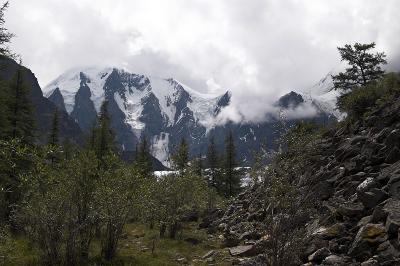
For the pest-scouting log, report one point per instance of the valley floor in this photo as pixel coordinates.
(142, 246)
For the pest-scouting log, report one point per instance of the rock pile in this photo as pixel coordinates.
(356, 177)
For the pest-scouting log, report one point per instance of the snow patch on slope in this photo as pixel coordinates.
(323, 95)
(160, 148)
(132, 108)
(69, 84)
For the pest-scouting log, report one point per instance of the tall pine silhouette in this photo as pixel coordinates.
(20, 110)
(232, 180)
(143, 158)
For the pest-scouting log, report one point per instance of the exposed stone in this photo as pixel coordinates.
(370, 262)
(351, 210)
(393, 156)
(387, 251)
(368, 235)
(319, 255)
(392, 208)
(209, 254)
(334, 260)
(372, 197)
(246, 250)
(366, 185)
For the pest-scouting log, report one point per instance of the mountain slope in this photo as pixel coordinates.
(164, 110)
(43, 107)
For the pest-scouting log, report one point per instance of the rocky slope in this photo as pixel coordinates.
(355, 176)
(165, 110)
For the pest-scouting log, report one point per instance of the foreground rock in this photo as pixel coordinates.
(355, 176)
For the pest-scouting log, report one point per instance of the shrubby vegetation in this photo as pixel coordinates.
(362, 99)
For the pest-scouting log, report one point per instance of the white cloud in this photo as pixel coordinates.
(258, 49)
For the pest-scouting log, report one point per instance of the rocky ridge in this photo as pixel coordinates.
(356, 179)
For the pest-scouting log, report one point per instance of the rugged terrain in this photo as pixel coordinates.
(354, 172)
(165, 110)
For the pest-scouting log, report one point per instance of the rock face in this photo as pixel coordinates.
(356, 179)
(165, 110)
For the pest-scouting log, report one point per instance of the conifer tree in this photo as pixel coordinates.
(212, 159)
(105, 136)
(197, 166)
(5, 36)
(364, 66)
(232, 180)
(20, 109)
(4, 123)
(55, 128)
(181, 157)
(143, 158)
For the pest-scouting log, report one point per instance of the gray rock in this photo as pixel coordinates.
(210, 254)
(372, 197)
(393, 156)
(370, 262)
(246, 250)
(392, 208)
(368, 236)
(387, 251)
(334, 260)
(319, 255)
(351, 210)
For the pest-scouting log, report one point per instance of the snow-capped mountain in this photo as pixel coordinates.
(165, 110)
(323, 95)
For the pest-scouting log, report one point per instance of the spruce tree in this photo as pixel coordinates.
(4, 123)
(232, 180)
(197, 166)
(364, 66)
(105, 136)
(143, 158)
(181, 157)
(212, 159)
(20, 115)
(5, 36)
(55, 128)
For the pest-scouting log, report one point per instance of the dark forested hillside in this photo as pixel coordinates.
(43, 108)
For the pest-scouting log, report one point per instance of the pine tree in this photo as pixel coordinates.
(181, 157)
(197, 166)
(55, 128)
(232, 180)
(364, 66)
(5, 36)
(4, 123)
(105, 137)
(143, 158)
(212, 159)
(20, 109)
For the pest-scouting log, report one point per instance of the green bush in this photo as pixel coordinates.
(363, 99)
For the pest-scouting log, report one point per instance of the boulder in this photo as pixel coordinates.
(366, 185)
(241, 251)
(367, 237)
(372, 197)
(352, 210)
(210, 254)
(393, 156)
(392, 208)
(334, 260)
(393, 138)
(370, 262)
(319, 255)
(387, 251)
(394, 189)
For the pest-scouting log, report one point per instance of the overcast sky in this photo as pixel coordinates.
(258, 49)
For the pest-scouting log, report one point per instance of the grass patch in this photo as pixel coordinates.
(135, 248)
